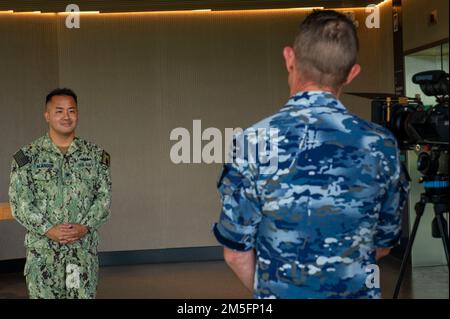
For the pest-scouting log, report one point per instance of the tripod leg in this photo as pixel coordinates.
(420, 206)
(443, 232)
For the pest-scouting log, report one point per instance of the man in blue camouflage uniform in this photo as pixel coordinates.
(332, 206)
(60, 191)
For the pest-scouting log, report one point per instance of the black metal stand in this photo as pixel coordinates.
(440, 203)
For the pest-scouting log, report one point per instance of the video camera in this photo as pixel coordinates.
(422, 128)
(409, 120)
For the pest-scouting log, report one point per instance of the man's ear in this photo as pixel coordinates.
(354, 71)
(289, 58)
(46, 116)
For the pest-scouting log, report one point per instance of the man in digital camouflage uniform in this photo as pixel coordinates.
(332, 206)
(60, 191)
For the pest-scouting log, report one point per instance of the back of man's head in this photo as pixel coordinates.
(326, 48)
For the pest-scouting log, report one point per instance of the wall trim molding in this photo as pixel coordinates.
(175, 5)
(138, 257)
(426, 46)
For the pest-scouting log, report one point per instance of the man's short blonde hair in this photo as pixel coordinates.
(326, 47)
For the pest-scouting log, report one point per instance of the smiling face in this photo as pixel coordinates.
(62, 114)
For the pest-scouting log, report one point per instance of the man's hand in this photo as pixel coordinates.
(382, 252)
(79, 231)
(60, 232)
(67, 233)
(243, 265)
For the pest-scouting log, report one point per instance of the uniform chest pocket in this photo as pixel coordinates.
(44, 174)
(84, 172)
(45, 181)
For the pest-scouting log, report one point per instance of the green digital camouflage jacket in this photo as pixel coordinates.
(48, 188)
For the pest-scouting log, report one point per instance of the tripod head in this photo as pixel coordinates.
(432, 162)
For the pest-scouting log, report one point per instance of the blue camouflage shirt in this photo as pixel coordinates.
(315, 221)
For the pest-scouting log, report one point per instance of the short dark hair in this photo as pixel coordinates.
(61, 92)
(326, 47)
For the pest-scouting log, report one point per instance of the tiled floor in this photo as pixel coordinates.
(214, 280)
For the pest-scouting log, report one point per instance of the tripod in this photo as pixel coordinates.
(440, 205)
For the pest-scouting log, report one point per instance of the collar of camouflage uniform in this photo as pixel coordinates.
(307, 99)
(48, 145)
